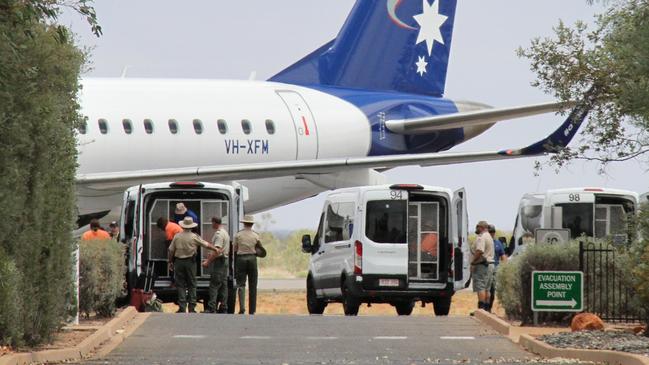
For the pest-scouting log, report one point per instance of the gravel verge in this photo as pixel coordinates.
(600, 340)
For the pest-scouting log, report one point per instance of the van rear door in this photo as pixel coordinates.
(385, 249)
(460, 229)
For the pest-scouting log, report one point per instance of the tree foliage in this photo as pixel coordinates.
(39, 82)
(610, 63)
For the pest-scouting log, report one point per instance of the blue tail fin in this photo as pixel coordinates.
(393, 45)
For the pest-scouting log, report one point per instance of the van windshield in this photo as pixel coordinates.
(387, 221)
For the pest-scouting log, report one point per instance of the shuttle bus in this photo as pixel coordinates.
(393, 244)
(593, 212)
(146, 244)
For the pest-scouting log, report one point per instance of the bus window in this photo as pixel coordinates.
(579, 218)
(610, 220)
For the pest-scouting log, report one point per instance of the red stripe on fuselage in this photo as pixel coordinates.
(306, 127)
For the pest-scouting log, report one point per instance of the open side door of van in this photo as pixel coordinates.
(460, 225)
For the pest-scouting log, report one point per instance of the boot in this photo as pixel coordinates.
(241, 293)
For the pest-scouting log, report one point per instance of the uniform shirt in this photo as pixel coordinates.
(499, 250)
(99, 234)
(184, 244)
(171, 230)
(485, 243)
(245, 241)
(221, 239)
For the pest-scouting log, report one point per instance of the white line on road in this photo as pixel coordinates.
(391, 337)
(189, 336)
(457, 338)
(255, 337)
(321, 338)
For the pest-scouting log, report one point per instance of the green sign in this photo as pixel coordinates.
(557, 291)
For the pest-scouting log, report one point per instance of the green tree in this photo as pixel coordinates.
(610, 64)
(39, 81)
(638, 260)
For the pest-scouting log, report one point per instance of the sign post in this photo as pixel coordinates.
(557, 291)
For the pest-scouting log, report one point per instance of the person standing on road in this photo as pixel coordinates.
(245, 242)
(219, 272)
(482, 264)
(499, 256)
(182, 260)
(95, 232)
(181, 212)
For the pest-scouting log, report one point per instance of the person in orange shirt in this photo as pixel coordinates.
(95, 232)
(170, 228)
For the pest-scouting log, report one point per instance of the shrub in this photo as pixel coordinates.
(10, 327)
(285, 255)
(101, 276)
(638, 259)
(514, 278)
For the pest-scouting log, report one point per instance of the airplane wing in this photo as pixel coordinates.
(551, 144)
(468, 119)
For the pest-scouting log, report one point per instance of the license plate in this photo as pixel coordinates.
(388, 282)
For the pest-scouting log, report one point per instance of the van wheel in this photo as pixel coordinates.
(313, 304)
(442, 306)
(404, 308)
(350, 302)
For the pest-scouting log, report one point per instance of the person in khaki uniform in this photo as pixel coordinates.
(219, 271)
(182, 260)
(482, 264)
(246, 264)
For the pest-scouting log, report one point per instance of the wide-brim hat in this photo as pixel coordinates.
(188, 223)
(248, 219)
(180, 208)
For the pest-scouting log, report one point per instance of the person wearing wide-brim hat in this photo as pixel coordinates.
(182, 211)
(247, 247)
(182, 260)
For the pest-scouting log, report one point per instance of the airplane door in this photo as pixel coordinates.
(306, 132)
(462, 252)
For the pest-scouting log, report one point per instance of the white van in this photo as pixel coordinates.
(146, 243)
(393, 244)
(593, 212)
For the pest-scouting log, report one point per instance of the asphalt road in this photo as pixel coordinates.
(239, 339)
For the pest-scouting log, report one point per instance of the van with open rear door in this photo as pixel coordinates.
(395, 244)
(146, 244)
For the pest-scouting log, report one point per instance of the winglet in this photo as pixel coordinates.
(560, 138)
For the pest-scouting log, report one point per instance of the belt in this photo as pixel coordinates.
(184, 258)
(246, 254)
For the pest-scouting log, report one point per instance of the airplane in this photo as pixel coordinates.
(367, 101)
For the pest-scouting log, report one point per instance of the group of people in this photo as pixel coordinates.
(487, 253)
(182, 252)
(97, 232)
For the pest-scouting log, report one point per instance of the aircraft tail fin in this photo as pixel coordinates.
(389, 45)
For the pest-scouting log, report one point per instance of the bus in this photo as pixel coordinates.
(601, 213)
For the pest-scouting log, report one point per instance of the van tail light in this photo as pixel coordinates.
(358, 257)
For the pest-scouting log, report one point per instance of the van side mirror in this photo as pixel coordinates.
(307, 247)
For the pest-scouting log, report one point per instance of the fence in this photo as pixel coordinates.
(606, 292)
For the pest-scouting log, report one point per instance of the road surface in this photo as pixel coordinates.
(240, 339)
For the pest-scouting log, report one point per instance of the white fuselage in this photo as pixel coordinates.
(286, 122)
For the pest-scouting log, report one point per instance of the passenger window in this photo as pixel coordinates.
(173, 126)
(340, 222)
(198, 126)
(270, 126)
(245, 125)
(83, 127)
(223, 127)
(128, 126)
(103, 126)
(148, 126)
